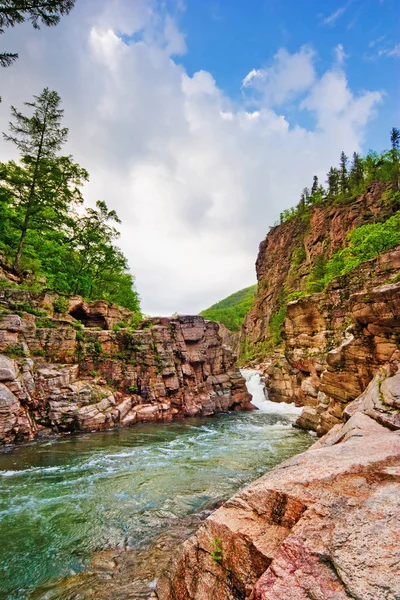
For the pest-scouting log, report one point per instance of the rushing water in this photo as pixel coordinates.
(64, 499)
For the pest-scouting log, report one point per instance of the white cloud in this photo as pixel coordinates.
(340, 54)
(333, 17)
(289, 75)
(395, 51)
(196, 178)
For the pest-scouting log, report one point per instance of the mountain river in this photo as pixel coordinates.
(97, 515)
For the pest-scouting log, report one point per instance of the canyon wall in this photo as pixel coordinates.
(287, 254)
(334, 341)
(85, 369)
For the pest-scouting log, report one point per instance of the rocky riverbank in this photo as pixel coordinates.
(87, 370)
(324, 524)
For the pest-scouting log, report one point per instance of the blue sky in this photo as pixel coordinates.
(200, 121)
(228, 38)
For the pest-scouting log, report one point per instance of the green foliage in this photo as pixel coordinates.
(275, 326)
(38, 352)
(296, 295)
(60, 305)
(28, 308)
(298, 256)
(315, 281)
(45, 324)
(216, 553)
(37, 12)
(232, 311)
(347, 182)
(41, 230)
(15, 350)
(366, 242)
(118, 326)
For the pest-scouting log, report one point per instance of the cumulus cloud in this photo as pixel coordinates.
(196, 177)
(289, 75)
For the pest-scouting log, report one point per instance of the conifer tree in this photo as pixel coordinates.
(314, 188)
(37, 12)
(44, 186)
(395, 141)
(333, 182)
(356, 176)
(343, 173)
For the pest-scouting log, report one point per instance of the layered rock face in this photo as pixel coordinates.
(57, 375)
(337, 340)
(323, 525)
(286, 255)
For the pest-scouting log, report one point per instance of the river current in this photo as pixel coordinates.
(65, 499)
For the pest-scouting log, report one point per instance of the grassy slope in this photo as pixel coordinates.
(232, 310)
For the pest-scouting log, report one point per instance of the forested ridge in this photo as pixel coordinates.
(48, 237)
(232, 310)
(350, 179)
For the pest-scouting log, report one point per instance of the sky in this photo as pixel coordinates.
(199, 121)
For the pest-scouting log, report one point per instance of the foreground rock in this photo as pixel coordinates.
(322, 525)
(61, 374)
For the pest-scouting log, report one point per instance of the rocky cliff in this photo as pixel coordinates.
(323, 525)
(288, 253)
(85, 369)
(334, 341)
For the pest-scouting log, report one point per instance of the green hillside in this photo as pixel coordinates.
(232, 310)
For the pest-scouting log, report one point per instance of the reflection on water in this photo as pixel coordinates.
(64, 499)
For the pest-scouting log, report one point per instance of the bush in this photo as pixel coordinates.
(366, 242)
(60, 305)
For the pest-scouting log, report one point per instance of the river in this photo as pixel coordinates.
(62, 501)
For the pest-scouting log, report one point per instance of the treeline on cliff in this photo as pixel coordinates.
(350, 179)
(48, 238)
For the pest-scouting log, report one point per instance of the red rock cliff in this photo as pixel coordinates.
(58, 376)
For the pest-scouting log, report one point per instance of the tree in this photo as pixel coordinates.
(44, 185)
(314, 187)
(356, 176)
(333, 182)
(395, 156)
(395, 138)
(14, 12)
(343, 179)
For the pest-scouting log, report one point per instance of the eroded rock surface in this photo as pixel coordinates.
(59, 376)
(323, 525)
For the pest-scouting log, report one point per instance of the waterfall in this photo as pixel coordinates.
(257, 390)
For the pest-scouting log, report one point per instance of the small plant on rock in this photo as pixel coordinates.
(216, 553)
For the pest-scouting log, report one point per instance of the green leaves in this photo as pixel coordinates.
(232, 310)
(366, 242)
(41, 229)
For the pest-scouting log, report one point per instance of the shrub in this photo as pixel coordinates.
(60, 305)
(216, 553)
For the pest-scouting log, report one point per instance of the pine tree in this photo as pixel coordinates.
(356, 176)
(395, 141)
(44, 185)
(344, 184)
(333, 182)
(395, 138)
(314, 185)
(14, 12)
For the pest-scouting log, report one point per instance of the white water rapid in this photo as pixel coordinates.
(256, 389)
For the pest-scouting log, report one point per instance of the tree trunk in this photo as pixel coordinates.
(21, 244)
